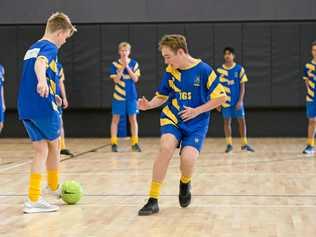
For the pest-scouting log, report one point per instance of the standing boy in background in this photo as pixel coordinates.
(233, 78)
(125, 74)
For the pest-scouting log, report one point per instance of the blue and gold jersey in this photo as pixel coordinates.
(1, 84)
(310, 78)
(30, 103)
(125, 89)
(190, 87)
(231, 78)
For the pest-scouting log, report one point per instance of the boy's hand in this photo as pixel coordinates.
(143, 103)
(65, 103)
(239, 105)
(219, 108)
(42, 88)
(188, 113)
(58, 100)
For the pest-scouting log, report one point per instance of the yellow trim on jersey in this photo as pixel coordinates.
(173, 86)
(169, 114)
(193, 65)
(161, 96)
(229, 68)
(43, 57)
(211, 79)
(308, 99)
(223, 79)
(165, 121)
(175, 73)
(225, 105)
(310, 66)
(53, 66)
(222, 71)
(52, 86)
(310, 92)
(112, 76)
(305, 78)
(244, 79)
(120, 90)
(121, 83)
(137, 73)
(175, 104)
(311, 84)
(219, 91)
(117, 97)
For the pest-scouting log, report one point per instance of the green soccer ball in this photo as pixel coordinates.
(71, 192)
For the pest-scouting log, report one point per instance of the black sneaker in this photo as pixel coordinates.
(114, 148)
(66, 152)
(309, 150)
(136, 148)
(150, 208)
(185, 194)
(247, 148)
(229, 148)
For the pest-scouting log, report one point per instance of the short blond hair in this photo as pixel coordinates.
(59, 21)
(174, 42)
(124, 45)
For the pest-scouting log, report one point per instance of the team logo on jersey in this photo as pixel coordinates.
(197, 81)
(196, 140)
(230, 82)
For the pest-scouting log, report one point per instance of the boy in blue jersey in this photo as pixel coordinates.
(190, 88)
(2, 102)
(63, 95)
(310, 80)
(125, 74)
(38, 108)
(233, 78)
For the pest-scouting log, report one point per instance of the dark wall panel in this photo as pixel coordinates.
(285, 64)
(227, 35)
(111, 36)
(143, 39)
(85, 82)
(8, 58)
(257, 62)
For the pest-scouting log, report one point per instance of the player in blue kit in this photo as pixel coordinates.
(125, 74)
(310, 81)
(38, 108)
(190, 88)
(2, 102)
(63, 95)
(233, 78)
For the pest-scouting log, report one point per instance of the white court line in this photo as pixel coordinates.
(14, 166)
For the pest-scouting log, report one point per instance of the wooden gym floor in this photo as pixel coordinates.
(269, 193)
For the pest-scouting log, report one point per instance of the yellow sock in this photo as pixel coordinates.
(310, 141)
(185, 179)
(244, 141)
(35, 187)
(53, 179)
(62, 143)
(155, 189)
(134, 140)
(114, 140)
(229, 141)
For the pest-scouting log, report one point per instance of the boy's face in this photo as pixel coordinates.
(124, 52)
(62, 36)
(229, 57)
(314, 52)
(171, 58)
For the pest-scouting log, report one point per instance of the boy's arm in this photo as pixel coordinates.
(133, 75)
(155, 102)
(63, 91)
(40, 68)
(241, 96)
(3, 103)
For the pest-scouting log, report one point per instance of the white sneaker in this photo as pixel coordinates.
(56, 193)
(39, 206)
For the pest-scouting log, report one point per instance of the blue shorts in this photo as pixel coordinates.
(232, 112)
(43, 128)
(2, 115)
(125, 107)
(310, 109)
(194, 139)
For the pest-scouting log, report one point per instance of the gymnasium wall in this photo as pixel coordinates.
(272, 40)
